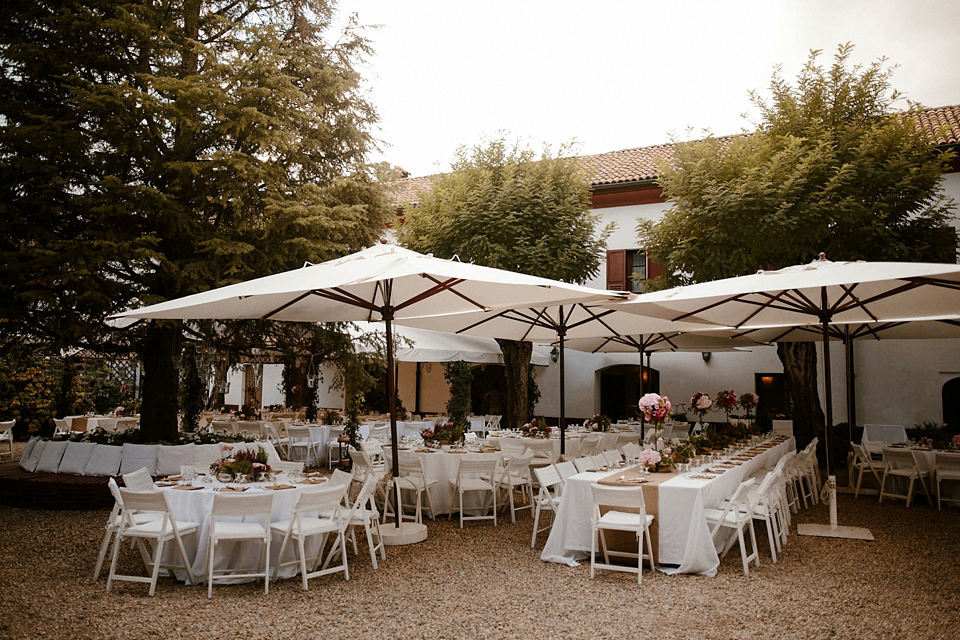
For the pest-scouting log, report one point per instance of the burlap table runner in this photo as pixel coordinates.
(631, 477)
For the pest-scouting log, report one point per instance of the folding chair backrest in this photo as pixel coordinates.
(947, 461)
(143, 500)
(898, 458)
(616, 497)
(139, 480)
(519, 466)
(484, 468)
(542, 449)
(582, 464)
(511, 447)
(547, 477)
(319, 500)
(565, 469)
(409, 464)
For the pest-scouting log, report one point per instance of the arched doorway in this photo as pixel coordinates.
(620, 389)
(950, 402)
(489, 383)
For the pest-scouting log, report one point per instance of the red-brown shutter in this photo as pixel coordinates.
(654, 269)
(617, 270)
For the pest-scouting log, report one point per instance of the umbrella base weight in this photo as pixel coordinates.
(826, 531)
(406, 533)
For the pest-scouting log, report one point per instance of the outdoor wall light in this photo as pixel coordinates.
(705, 355)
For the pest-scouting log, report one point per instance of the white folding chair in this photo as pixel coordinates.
(6, 435)
(611, 457)
(380, 433)
(565, 469)
(582, 464)
(901, 463)
(410, 478)
(631, 450)
(735, 514)
(491, 423)
(548, 498)
(946, 468)
(543, 451)
(300, 445)
(590, 444)
(114, 521)
(510, 447)
(272, 431)
(145, 515)
(620, 509)
(61, 427)
(516, 476)
(364, 513)
(236, 517)
(333, 446)
(863, 461)
(477, 475)
(318, 512)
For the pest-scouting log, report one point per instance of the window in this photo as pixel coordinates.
(628, 268)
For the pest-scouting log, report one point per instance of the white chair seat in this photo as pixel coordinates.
(623, 521)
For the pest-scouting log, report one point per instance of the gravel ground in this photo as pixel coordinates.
(486, 582)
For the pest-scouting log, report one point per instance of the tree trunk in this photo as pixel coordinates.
(516, 363)
(158, 413)
(800, 367)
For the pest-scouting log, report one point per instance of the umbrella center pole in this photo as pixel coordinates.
(563, 403)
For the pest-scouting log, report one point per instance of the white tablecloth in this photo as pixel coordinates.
(195, 506)
(685, 543)
(888, 433)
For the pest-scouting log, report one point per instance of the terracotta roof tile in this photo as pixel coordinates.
(627, 166)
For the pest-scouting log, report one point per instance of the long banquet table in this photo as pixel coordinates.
(685, 544)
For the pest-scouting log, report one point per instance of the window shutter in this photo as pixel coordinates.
(654, 269)
(617, 270)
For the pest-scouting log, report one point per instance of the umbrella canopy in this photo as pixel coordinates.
(945, 327)
(822, 292)
(423, 345)
(382, 282)
(556, 322)
(667, 341)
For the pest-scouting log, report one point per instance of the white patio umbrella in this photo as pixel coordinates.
(946, 327)
(549, 323)
(822, 292)
(383, 282)
(665, 341)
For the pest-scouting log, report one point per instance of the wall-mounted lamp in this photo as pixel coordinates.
(554, 354)
(705, 355)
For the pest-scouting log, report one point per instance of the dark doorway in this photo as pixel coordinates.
(488, 381)
(774, 398)
(620, 390)
(950, 401)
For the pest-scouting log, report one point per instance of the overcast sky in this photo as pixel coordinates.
(617, 74)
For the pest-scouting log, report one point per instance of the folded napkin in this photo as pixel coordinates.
(631, 480)
(278, 487)
(701, 476)
(186, 487)
(313, 481)
(424, 450)
(231, 489)
(164, 483)
(312, 474)
(176, 477)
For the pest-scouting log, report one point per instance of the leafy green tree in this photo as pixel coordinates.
(830, 168)
(505, 206)
(152, 150)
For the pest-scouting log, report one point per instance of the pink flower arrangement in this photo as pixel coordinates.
(956, 440)
(649, 457)
(701, 403)
(655, 407)
(726, 400)
(749, 400)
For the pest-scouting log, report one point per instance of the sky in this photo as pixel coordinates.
(618, 74)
